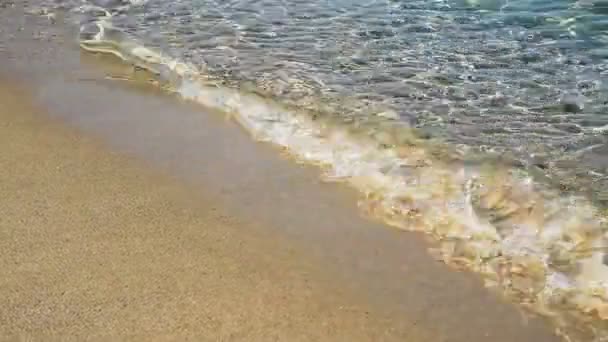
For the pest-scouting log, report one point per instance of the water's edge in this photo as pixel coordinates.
(544, 250)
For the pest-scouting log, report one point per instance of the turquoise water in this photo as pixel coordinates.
(528, 77)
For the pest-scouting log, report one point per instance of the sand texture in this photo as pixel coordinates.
(126, 214)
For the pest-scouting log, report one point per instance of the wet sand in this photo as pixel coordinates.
(129, 214)
(94, 245)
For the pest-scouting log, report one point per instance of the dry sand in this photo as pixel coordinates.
(126, 214)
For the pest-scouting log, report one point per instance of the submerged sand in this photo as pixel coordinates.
(127, 214)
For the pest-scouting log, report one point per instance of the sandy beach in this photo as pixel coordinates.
(95, 246)
(129, 215)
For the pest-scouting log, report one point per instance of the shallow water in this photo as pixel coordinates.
(342, 83)
(528, 77)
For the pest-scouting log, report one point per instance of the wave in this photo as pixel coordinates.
(544, 250)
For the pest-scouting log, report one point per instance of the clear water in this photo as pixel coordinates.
(407, 101)
(528, 77)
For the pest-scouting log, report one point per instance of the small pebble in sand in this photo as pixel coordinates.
(572, 104)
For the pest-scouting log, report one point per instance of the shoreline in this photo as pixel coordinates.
(541, 248)
(388, 270)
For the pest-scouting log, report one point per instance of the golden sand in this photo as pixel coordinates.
(96, 246)
(231, 243)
